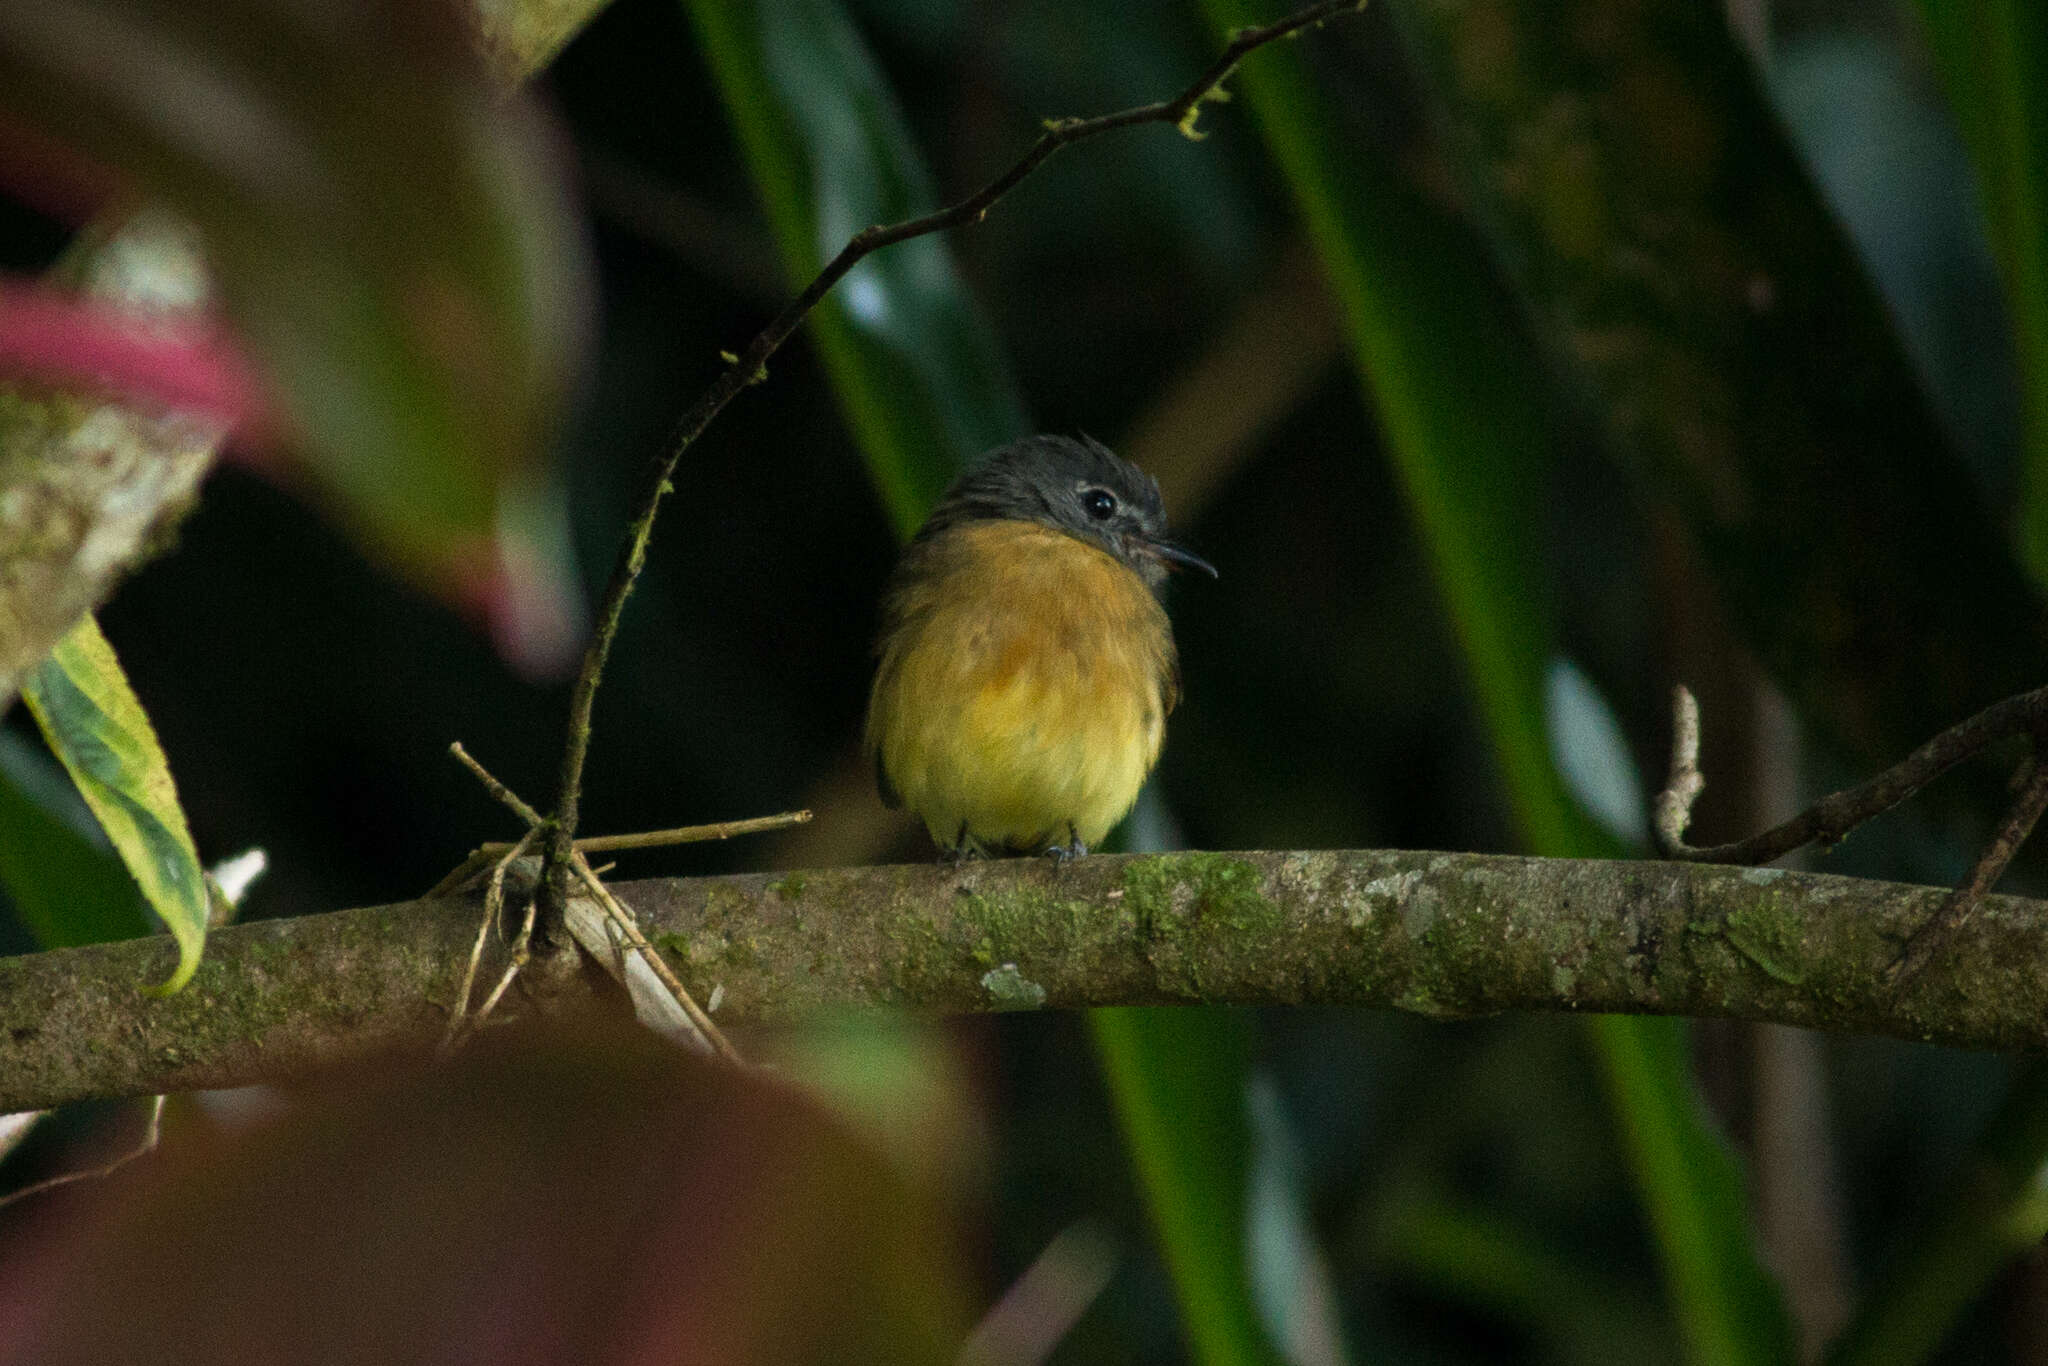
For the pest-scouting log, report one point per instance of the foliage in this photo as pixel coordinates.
(1652, 383)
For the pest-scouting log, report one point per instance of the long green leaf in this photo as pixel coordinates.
(1460, 397)
(97, 728)
(1993, 60)
(1177, 1077)
(915, 368)
(1692, 1184)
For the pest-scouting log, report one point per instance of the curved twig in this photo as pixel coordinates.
(1835, 815)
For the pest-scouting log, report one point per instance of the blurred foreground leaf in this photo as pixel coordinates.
(916, 370)
(89, 486)
(97, 728)
(388, 236)
(1463, 401)
(1993, 59)
(590, 1196)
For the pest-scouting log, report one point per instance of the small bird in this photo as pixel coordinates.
(1027, 667)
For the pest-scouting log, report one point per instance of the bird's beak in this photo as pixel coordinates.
(1175, 556)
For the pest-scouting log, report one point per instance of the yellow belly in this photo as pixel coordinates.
(1023, 688)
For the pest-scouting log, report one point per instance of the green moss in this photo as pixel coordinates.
(1769, 938)
(790, 887)
(1212, 887)
(675, 945)
(1019, 920)
(724, 903)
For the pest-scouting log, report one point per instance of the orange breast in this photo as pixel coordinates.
(1023, 688)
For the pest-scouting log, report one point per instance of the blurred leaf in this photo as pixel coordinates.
(66, 882)
(1881, 145)
(1177, 1078)
(1675, 256)
(1992, 1211)
(1693, 1184)
(1589, 750)
(581, 1194)
(92, 486)
(97, 729)
(1993, 60)
(897, 1081)
(1290, 1277)
(916, 370)
(1579, 1310)
(1469, 421)
(386, 234)
(52, 339)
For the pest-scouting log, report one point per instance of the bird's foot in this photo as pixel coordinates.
(1061, 854)
(963, 850)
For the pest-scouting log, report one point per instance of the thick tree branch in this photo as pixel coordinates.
(1441, 934)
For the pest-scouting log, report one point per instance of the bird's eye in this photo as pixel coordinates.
(1099, 504)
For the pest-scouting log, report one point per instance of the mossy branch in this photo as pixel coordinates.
(1446, 935)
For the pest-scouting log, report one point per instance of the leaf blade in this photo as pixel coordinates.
(98, 730)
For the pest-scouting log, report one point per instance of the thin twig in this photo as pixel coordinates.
(628, 926)
(683, 834)
(751, 368)
(494, 905)
(1835, 815)
(489, 852)
(504, 794)
(522, 950)
(2020, 818)
(150, 1135)
(629, 930)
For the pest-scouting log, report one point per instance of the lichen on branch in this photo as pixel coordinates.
(1444, 935)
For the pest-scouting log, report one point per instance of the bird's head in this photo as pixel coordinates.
(1076, 485)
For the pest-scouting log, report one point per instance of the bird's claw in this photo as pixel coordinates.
(1062, 854)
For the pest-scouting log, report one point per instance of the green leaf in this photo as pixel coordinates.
(1467, 414)
(1692, 1183)
(388, 236)
(66, 882)
(1177, 1078)
(97, 729)
(1993, 59)
(916, 370)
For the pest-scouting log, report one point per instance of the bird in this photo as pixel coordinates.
(1026, 666)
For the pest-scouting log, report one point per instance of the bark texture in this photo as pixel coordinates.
(1444, 935)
